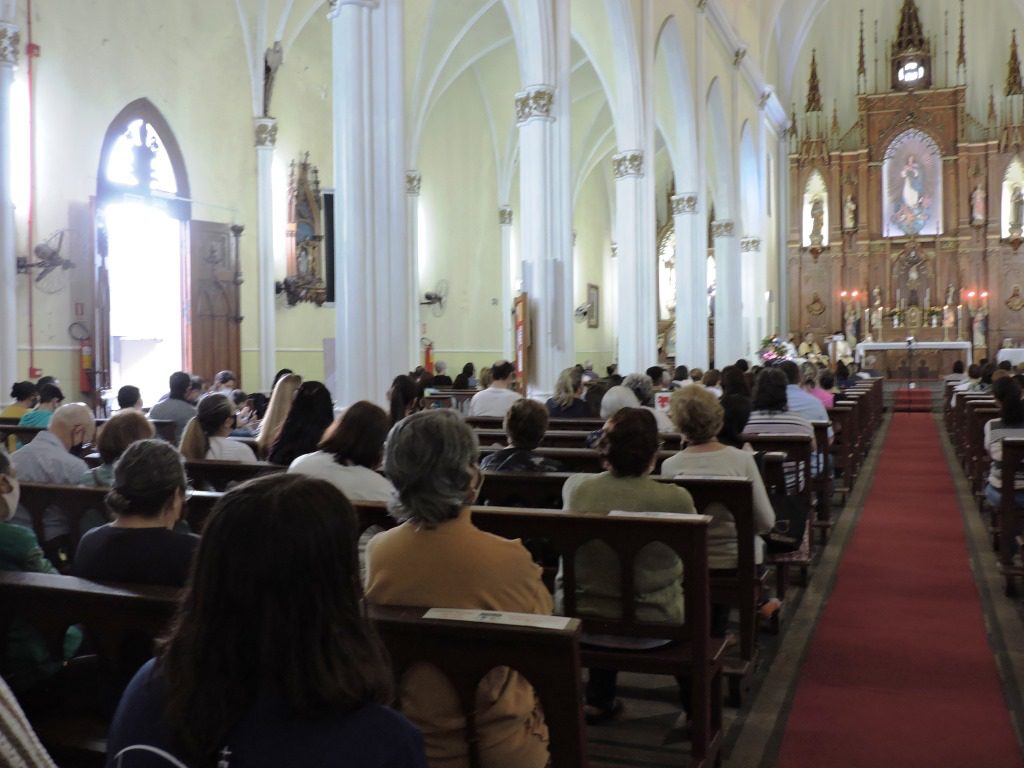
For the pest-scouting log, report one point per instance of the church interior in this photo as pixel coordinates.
(319, 196)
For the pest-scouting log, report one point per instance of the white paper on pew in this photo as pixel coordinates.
(621, 513)
(499, 617)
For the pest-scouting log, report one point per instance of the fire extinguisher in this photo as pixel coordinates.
(428, 355)
(86, 356)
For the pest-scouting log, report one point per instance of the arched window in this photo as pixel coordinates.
(141, 159)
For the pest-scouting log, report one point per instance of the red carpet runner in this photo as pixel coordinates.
(899, 672)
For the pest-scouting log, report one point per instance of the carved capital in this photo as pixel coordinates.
(629, 163)
(413, 180)
(702, 5)
(615, 249)
(750, 245)
(722, 229)
(739, 56)
(10, 40)
(505, 215)
(265, 131)
(684, 204)
(334, 6)
(535, 102)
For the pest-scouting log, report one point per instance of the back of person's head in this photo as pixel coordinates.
(630, 442)
(281, 553)
(615, 380)
(468, 369)
(1000, 373)
(357, 437)
(986, 372)
(502, 370)
(10, 492)
(128, 397)
(617, 398)
(402, 397)
(1019, 378)
(238, 397)
(211, 414)
(682, 373)
(734, 382)
(770, 391)
(146, 478)
(567, 388)
(711, 377)
(735, 415)
(1007, 392)
(43, 380)
(657, 375)
(24, 390)
(525, 423)
(974, 371)
(826, 380)
(809, 375)
(179, 383)
(277, 410)
(696, 375)
(50, 393)
(742, 364)
(1005, 365)
(440, 367)
(259, 404)
(486, 377)
(790, 369)
(225, 377)
(280, 375)
(431, 459)
(696, 413)
(121, 430)
(73, 422)
(641, 386)
(958, 366)
(312, 412)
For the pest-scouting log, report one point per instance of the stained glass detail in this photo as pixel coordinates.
(139, 160)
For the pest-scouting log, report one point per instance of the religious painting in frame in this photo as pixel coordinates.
(594, 310)
(912, 181)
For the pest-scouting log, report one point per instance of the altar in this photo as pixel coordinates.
(931, 359)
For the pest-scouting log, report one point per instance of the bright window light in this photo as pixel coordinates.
(19, 145)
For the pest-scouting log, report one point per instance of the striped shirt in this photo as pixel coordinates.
(785, 423)
(995, 432)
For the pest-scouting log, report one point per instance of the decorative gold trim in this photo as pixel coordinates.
(265, 131)
(535, 102)
(629, 163)
(413, 181)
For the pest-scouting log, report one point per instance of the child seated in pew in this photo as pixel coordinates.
(28, 662)
(525, 423)
(438, 558)
(206, 435)
(629, 450)
(140, 547)
(270, 661)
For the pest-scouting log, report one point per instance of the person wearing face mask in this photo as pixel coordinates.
(52, 458)
(28, 661)
(438, 558)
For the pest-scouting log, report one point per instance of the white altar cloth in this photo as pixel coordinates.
(1015, 356)
(866, 347)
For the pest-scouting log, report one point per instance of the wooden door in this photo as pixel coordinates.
(213, 321)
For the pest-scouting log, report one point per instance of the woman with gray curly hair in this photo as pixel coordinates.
(438, 559)
(146, 497)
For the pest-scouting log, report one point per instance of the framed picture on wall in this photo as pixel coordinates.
(594, 300)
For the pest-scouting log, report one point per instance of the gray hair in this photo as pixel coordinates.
(429, 457)
(617, 398)
(440, 366)
(145, 478)
(642, 387)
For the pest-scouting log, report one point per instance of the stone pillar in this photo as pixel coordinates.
(754, 287)
(691, 283)
(507, 323)
(546, 231)
(374, 290)
(728, 295)
(266, 136)
(636, 266)
(413, 182)
(9, 42)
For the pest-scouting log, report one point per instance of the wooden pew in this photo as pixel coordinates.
(566, 438)
(822, 480)
(24, 434)
(1010, 516)
(690, 649)
(557, 425)
(218, 475)
(843, 446)
(465, 651)
(164, 430)
(976, 461)
(576, 459)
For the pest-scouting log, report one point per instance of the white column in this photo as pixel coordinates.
(728, 295)
(691, 283)
(413, 181)
(374, 337)
(507, 324)
(266, 136)
(546, 231)
(636, 265)
(754, 286)
(9, 42)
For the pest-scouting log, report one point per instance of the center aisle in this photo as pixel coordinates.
(899, 671)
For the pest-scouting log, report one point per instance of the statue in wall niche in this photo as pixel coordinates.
(876, 296)
(1016, 301)
(978, 205)
(817, 218)
(1017, 209)
(850, 213)
(950, 294)
(979, 325)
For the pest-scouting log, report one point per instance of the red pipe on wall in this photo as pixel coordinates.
(31, 52)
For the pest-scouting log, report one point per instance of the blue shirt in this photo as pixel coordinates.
(266, 737)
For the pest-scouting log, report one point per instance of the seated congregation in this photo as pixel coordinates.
(227, 577)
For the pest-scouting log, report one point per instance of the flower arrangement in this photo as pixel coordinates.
(772, 350)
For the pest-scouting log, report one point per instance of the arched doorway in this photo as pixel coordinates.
(143, 211)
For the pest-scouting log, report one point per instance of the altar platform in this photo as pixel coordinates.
(917, 360)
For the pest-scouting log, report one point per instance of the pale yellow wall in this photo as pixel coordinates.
(592, 264)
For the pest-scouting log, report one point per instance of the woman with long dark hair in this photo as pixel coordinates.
(311, 414)
(269, 661)
(206, 435)
(402, 399)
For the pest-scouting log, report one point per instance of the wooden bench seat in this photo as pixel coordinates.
(565, 438)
